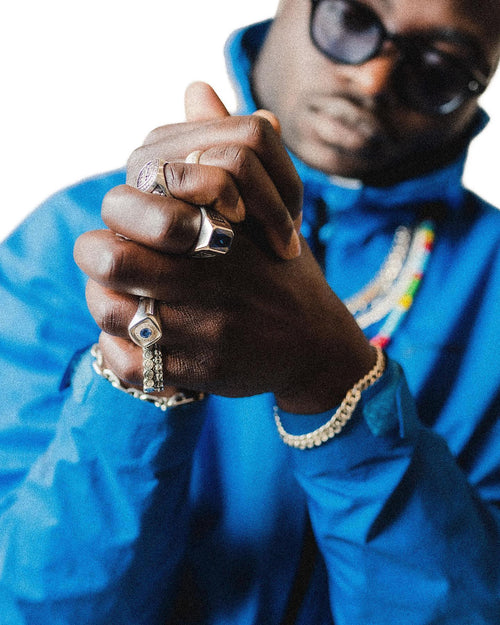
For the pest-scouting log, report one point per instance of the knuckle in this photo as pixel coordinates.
(257, 130)
(108, 318)
(239, 156)
(176, 177)
(175, 231)
(112, 200)
(113, 264)
(155, 135)
(226, 196)
(168, 229)
(107, 311)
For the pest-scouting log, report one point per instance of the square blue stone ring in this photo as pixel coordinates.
(145, 331)
(145, 328)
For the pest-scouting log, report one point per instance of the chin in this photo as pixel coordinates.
(335, 161)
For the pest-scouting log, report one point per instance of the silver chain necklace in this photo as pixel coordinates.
(375, 299)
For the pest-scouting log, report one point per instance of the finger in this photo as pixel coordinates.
(165, 224)
(123, 357)
(125, 266)
(183, 329)
(201, 103)
(112, 311)
(260, 196)
(206, 186)
(176, 141)
(182, 336)
(271, 118)
(212, 185)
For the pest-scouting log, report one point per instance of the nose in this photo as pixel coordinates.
(373, 77)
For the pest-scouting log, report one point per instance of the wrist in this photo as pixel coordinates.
(336, 422)
(325, 384)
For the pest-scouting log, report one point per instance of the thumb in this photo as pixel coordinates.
(201, 103)
(271, 118)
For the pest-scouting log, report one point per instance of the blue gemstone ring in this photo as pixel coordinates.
(215, 235)
(145, 331)
(145, 328)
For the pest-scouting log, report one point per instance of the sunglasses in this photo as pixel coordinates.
(425, 78)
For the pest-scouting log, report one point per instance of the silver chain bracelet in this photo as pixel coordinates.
(180, 398)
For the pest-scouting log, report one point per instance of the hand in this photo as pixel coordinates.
(244, 172)
(238, 325)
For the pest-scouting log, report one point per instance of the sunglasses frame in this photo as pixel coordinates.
(475, 82)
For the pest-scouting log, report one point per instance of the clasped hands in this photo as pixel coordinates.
(260, 319)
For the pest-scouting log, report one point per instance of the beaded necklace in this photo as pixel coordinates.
(365, 304)
(392, 299)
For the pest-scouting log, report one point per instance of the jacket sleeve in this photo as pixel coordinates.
(405, 536)
(89, 476)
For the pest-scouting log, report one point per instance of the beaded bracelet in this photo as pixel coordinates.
(341, 416)
(178, 399)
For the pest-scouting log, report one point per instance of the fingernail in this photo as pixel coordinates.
(294, 248)
(194, 157)
(240, 210)
(271, 118)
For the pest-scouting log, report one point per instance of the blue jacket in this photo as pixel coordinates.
(114, 512)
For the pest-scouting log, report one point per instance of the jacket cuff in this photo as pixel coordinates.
(125, 426)
(386, 407)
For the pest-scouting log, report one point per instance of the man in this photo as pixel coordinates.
(118, 512)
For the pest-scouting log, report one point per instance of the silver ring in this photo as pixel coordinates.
(145, 331)
(145, 327)
(152, 369)
(151, 178)
(215, 235)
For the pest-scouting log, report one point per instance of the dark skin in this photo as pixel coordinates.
(262, 318)
(347, 120)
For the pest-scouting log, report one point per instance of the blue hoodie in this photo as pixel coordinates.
(115, 512)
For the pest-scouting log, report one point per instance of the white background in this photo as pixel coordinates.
(83, 83)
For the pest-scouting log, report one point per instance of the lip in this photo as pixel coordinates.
(341, 123)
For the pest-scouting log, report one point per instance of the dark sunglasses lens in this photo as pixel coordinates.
(433, 83)
(345, 31)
